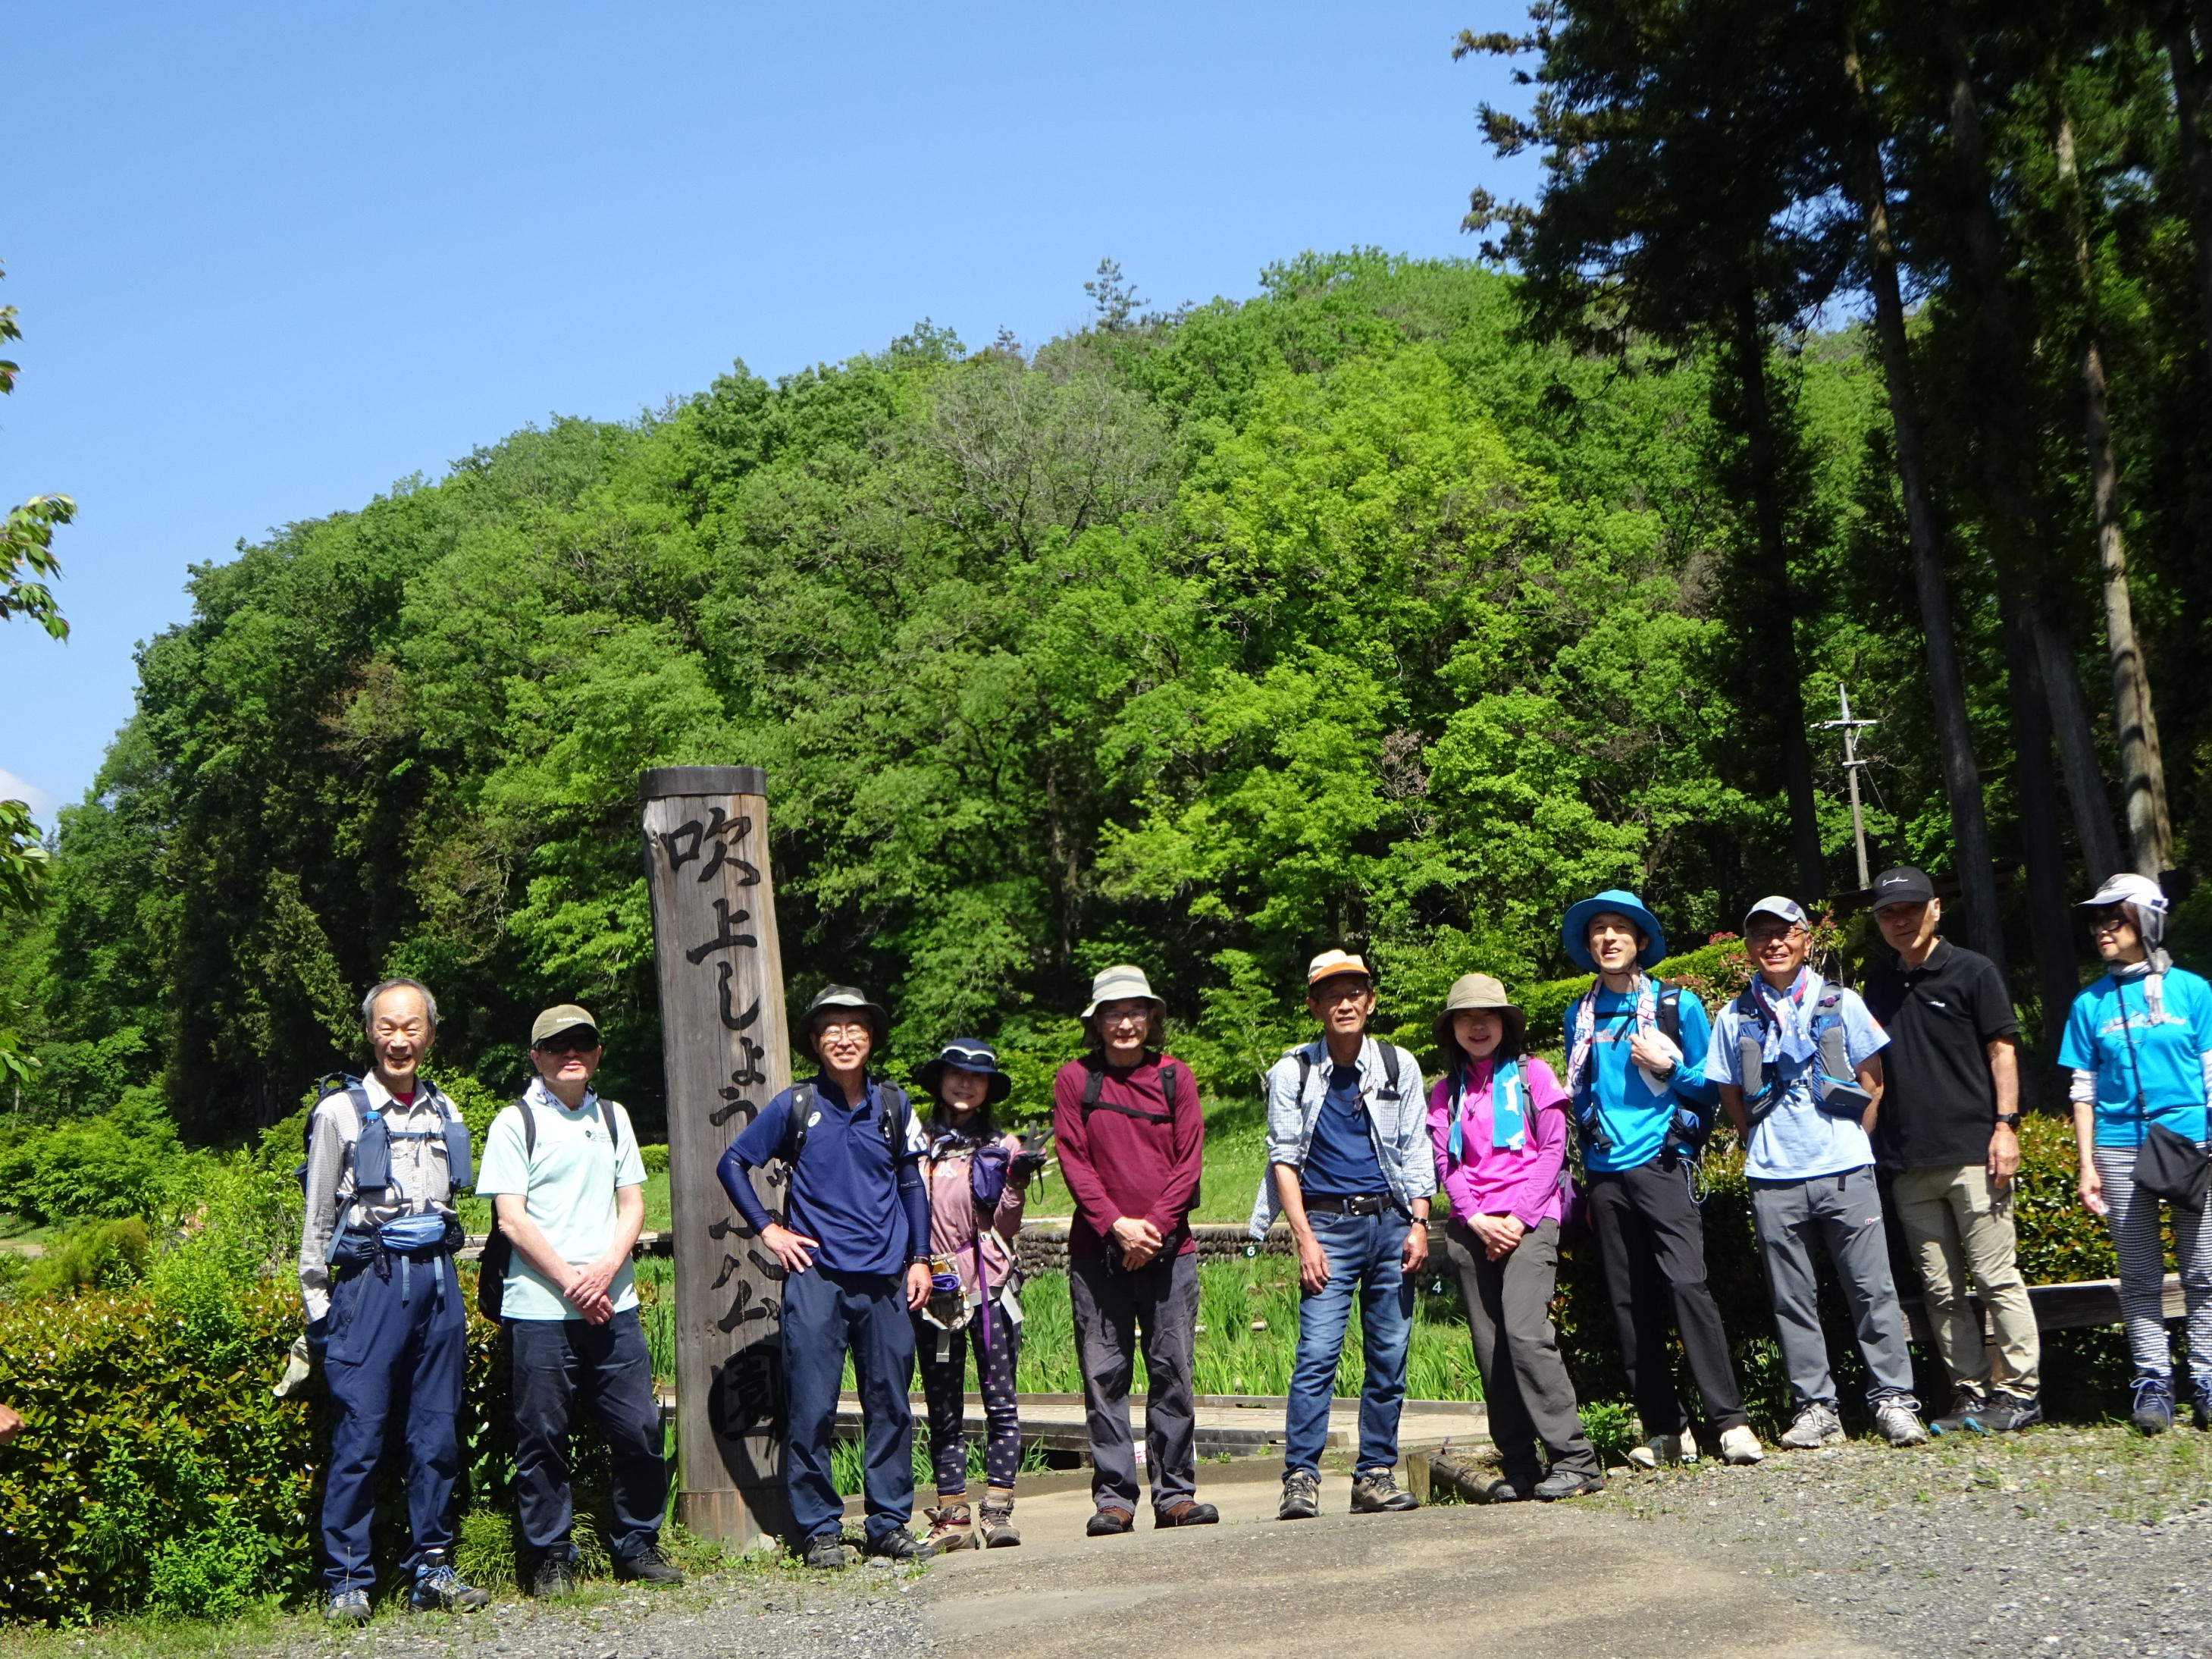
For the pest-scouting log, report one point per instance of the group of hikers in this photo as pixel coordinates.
(901, 1212)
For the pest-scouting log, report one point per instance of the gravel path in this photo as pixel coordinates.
(865, 1612)
(2060, 1540)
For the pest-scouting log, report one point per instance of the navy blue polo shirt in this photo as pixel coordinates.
(847, 1190)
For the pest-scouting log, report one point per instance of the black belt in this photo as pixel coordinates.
(1353, 1204)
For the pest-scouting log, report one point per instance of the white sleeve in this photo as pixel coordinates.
(2081, 1086)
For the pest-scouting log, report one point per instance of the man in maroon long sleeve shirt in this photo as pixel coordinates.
(1132, 1142)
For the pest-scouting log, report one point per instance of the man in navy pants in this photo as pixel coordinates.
(856, 1257)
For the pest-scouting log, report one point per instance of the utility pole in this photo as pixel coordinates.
(1852, 729)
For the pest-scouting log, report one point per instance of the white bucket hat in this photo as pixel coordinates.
(1119, 984)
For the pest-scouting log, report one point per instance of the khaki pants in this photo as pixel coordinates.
(1960, 1234)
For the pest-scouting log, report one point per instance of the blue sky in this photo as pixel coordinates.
(271, 258)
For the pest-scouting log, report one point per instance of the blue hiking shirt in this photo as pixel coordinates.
(870, 1212)
(1630, 1117)
(2169, 1054)
(1340, 1157)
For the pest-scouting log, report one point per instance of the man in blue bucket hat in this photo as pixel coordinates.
(1635, 1051)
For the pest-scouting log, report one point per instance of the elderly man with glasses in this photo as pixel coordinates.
(563, 1168)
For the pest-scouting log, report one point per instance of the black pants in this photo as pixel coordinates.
(944, 1384)
(555, 1360)
(1115, 1311)
(1653, 1243)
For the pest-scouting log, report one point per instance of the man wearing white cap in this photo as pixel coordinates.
(1132, 1144)
(1797, 1060)
(1349, 1167)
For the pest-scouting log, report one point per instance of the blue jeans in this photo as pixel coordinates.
(825, 1313)
(1366, 1254)
(554, 1361)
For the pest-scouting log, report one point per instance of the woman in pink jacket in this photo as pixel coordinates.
(977, 1180)
(1497, 1121)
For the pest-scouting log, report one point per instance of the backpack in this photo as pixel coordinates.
(892, 1116)
(1095, 1065)
(1693, 1124)
(498, 1254)
(1836, 1088)
(372, 1146)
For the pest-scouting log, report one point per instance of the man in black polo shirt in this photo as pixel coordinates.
(1950, 1116)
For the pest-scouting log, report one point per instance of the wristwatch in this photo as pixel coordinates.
(2009, 1120)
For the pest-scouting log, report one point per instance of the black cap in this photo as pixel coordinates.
(1903, 885)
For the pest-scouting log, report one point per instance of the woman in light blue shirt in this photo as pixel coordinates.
(2139, 1044)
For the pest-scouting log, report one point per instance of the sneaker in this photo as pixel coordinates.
(1740, 1446)
(2153, 1408)
(438, 1588)
(1897, 1420)
(555, 1576)
(1566, 1483)
(1669, 1448)
(649, 1566)
(994, 1526)
(1376, 1492)
(898, 1545)
(825, 1551)
(1186, 1512)
(951, 1526)
(1108, 1519)
(1816, 1425)
(348, 1607)
(1968, 1403)
(1301, 1496)
(2009, 1413)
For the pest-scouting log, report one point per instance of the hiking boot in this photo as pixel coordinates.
(1740, 1446)
(1664, 1448)
(1301, 1496)
(1897, 1420)
(1817, 1425)
(649, 1566)
(1968, 1402)
(1376, 1492)
(1506, 1490)
(1108, 1520)
(1567, 1483)
(438, 1588)
(994, 1525)
(2203, 1406)
(555, 1576)
(347, 1607)
(2009, 1413)
(1186, 1512)
(898, 1545)
(2153, 1408)
(825, 1551)
(951, 1527)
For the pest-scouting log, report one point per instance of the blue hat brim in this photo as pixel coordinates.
(1574, 931)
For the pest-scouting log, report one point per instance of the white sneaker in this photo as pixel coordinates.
(1817, 1425)
(1740, 1446)
(1898, 1422)
(1664, 1448)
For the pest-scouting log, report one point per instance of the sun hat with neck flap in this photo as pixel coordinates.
(1472, 991)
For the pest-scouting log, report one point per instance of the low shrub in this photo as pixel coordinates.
(106, 1255)
(127, 1161)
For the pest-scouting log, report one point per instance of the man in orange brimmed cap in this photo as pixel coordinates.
(1349, 1166)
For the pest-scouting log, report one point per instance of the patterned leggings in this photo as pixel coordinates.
(2133, 1215)
(944, 1385)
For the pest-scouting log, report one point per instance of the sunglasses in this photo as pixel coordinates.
(570, 1042)
(969, 1060)
(2109, 921)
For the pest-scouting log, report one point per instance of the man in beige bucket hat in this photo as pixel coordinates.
(1132, 1141)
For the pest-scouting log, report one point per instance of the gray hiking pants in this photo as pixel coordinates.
(1115, 1311)
(1516, 1348)
(1842, 1214)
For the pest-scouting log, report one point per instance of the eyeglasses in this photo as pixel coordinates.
(1345, 994)
(2110, 922)
(831, 1028)
(571, 1043)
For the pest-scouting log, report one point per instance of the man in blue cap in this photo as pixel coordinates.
(1635, 1051)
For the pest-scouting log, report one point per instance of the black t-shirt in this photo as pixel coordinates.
(1938, 1102)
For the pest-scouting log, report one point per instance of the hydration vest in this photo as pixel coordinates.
(372, 1146)
(1836, 1088)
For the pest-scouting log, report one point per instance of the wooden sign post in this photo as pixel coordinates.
(724, 1047)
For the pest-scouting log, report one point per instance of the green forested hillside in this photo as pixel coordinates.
(1340, 614)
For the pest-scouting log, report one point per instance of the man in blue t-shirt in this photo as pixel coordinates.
(1636, 1073)
(854, 1245)
(1797, 1063)
(1349, 1166)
